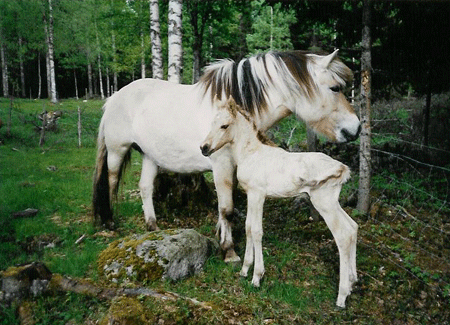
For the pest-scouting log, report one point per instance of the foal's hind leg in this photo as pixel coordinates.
(146, 185)
(344, 231)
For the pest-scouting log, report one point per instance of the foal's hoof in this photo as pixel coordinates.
(231, 257)
(152, 227)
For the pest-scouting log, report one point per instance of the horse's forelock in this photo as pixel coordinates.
(342, 73)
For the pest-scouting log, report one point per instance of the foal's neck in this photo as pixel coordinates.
(247, 139)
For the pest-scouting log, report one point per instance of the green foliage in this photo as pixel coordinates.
(270, 27)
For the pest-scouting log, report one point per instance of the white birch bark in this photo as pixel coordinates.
(102, 94)
(175, 41)
(142, 55)
(4, 70)
(21, 68)
(155, 36)
(51, 54)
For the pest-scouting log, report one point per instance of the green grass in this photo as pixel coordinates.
(301, 259)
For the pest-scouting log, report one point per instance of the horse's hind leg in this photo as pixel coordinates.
(146, 185)
(344, 231)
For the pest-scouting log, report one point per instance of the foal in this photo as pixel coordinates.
(264, 170)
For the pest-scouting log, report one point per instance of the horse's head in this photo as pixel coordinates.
(222, 127)
(325, 107)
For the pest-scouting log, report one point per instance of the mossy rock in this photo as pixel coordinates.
(125, 311)
(172, 254)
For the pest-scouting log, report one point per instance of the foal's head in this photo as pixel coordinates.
(222, 128)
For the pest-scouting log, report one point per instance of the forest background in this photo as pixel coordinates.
(99, 46)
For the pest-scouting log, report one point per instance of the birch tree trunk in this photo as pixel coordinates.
(365, 102)
(155, 36)
(47, 62)
(175, 39)
(91, 91)
(142, 55)
(4, 69)
(22, 71)
(40, 76)
(114, 61)
(51, 54)
(100, 79)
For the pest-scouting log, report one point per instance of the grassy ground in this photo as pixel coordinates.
(403, 251)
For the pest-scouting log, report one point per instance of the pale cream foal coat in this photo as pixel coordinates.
(264, 170)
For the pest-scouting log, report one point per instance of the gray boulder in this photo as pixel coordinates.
(171, 254)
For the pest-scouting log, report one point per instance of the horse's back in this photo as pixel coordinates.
(166, 120)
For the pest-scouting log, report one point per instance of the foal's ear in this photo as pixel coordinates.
(326, 60)
(232, 104)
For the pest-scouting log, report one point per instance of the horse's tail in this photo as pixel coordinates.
(101, 200)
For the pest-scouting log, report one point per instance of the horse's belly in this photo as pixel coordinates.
(174, 147)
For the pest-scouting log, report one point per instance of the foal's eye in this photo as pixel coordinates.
(335, 89)
(224, 127)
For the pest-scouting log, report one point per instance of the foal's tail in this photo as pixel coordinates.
(102, 191)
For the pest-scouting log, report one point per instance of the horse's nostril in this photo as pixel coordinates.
(205, 149)
(351, 136)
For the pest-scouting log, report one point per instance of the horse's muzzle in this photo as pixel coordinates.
(350, 136)
(205, 150)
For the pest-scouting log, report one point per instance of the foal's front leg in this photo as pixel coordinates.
(223, 172)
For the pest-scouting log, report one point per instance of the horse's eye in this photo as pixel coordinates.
(335, 89)
(224, 127)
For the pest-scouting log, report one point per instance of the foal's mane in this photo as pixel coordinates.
(233, 108)
(249, 80)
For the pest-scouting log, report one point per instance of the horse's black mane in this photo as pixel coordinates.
(247, 81)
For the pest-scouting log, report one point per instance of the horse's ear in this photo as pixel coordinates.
(326, 60)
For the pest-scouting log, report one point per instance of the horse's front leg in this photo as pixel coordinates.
(223, 172)
(146, 185)
(255, 206)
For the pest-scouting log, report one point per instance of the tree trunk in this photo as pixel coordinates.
(197, 45)
(91, 91)
(426, 111)
(108, 92)
(40, 76)
(76, 83)
(114, 61)
(142, 55)
(22, 72)
(51, 54)
(4, 70)
(157, 62)
(100, 78)
(175, 41)
(365, 102)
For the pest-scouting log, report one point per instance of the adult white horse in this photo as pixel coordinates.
(166, 122)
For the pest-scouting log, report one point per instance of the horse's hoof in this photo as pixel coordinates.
(231, 257)
(243, 273)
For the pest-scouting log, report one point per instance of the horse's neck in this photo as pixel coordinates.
(246, 140)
